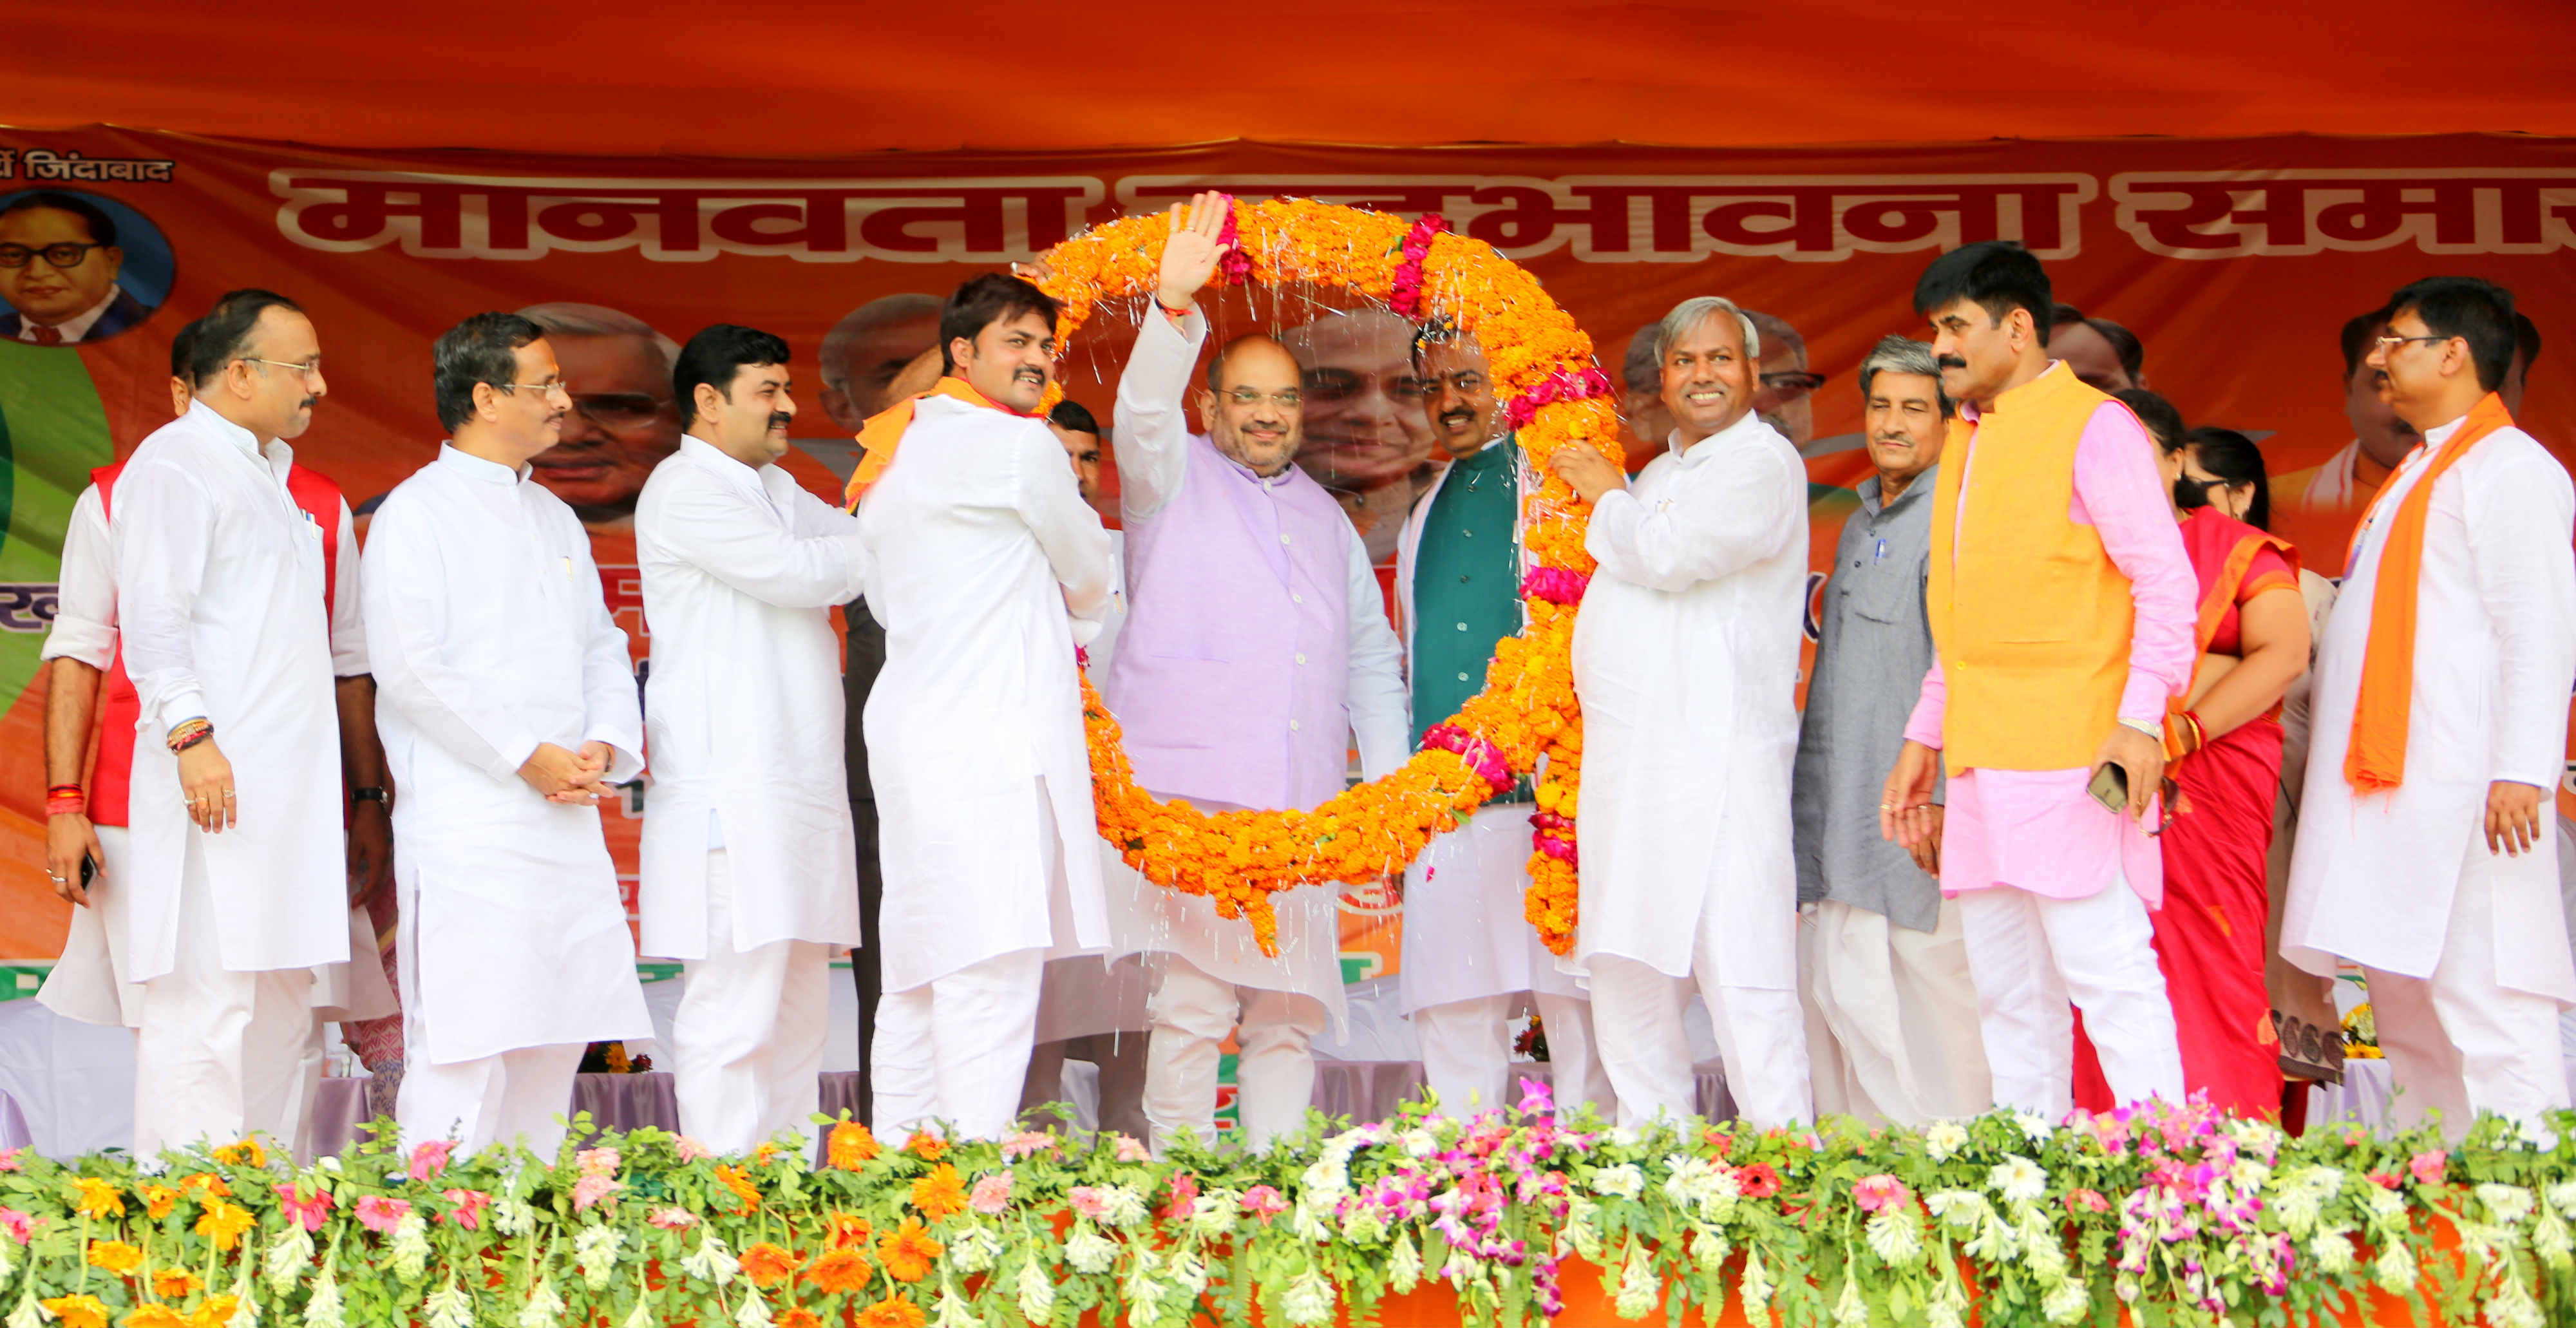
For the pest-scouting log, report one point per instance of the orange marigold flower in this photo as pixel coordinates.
(767, 1265)
(224, 1222)
(908, 1250)
(217, 1312)
(798, 1317)
(739, 1181)
(851, 1231)
(894, 1312)
(941, 1194)
(175, 1283)
(850, 1144)
(158, 1200)
(760, 1156)
(78, 1311)
(841, 1272)
(207, 1182)
(115, 1256)
(926, 1146)
(98, 1198)
(155, 1316)
(248, 1151)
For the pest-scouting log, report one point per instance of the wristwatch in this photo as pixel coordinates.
(372, 795)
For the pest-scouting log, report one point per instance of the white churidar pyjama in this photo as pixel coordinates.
(2031, 955)
(220, 1053)
(1467, 1053)
(956, 1048)
(1637, 1025)
(1274, 1069)
(747, 1040)
(1892, 1027)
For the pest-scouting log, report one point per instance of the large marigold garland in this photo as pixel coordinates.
(1542, 368)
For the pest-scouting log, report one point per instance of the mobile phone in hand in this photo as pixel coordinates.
(2110, 786)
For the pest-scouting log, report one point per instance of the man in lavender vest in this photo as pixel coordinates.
(1255, 647)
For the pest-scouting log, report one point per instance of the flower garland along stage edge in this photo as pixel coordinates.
(2173, 1216)
(1552, 393)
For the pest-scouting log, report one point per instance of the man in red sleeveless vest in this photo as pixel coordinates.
(90, 982)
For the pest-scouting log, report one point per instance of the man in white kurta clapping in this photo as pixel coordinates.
(987, 569)
(508, 710)
(1686, 661)
(2425, 852)
(749, 861)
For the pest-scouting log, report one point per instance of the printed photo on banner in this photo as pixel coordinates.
(77, 266)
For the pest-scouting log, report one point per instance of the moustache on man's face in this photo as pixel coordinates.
(779, 419)
(1950, 361)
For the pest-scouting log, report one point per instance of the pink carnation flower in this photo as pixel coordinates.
(2427, 1167)
(597, 1161)
(468, 1212)
(691, 1150)
(1027, 1143)
(311, 1212)
(10, 1159)
(1881, 1193)
(1264, 1201)
(592, 1188)
(430, 1158)
(380, 1215)
(2084, 1200)
(17, 1224)
(992, 1194)
(1089, 1200)
(672, 1219)
(1131, 1149)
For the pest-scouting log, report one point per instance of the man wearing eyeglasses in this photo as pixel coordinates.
(508, 711)
(2433, 864)
(1786, 384)
(623, 421)
(1366, 437)
(235, 878)
(58, 266)
(1255, 648)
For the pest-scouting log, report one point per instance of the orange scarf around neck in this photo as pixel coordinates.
(2375, 762)
(881, 433)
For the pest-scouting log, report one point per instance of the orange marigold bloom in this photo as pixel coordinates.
(115, 1256)
(767, 1265)
(908, 1250)
(798, 1317)
(941, 1194)
(224, 1222)
(851, 1231)
(893, 1312)
(155, 1316)
(841, 1272)
(78, 1311)
(926, 1146)
(98, 1198)
(158, 1200)
(850, 1144)
(217, 1312)
(739, 1181)
(175, 1283)
(247, 1151)
(207, 1182)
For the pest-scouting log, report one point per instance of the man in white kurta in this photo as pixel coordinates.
(982, 559)
(1256, 648)
(1686, 662)
(1472, 961)
(507, 709)
(749, 867)
(236, 886)
(2444, 887)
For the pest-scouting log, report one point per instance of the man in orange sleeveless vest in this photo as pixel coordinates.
(2062, 606)
(2424, 852)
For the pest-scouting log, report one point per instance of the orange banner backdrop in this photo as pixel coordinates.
(2235, 260)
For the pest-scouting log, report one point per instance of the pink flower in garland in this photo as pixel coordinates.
(1185, 1192)
(671, 1219)
(1556, 585)
(1481, 756)
(1759, 1181)
(598, 1161)
(2427, 1167)
(469, 1206)
(1132, 1149)
(1027, 1143)
(311, 1212)
(593, 1187)
(992, 1194)
(1264, 1202)
(691, 1150)
(10, 1159)
(1406, 297)
(1235, 266)
(430, 1158)
(381, 1215)
(1091, 1201)
(2086, 1201)
(17, 1224)
(1563, 385)
(1881, 1193)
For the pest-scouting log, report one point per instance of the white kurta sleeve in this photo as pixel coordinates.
(2521, 516)
(1743, 510)
(734, 538)
(406, 591)
(348, 618)
(612, 703)
(161, 535)
(1381, 708)
(1152, 449)
(1068, 531)
(85, 607)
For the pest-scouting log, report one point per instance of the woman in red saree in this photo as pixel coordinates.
(2224, 745)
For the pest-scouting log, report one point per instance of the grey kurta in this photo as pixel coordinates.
(1873, 646)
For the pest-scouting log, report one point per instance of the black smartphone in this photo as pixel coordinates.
(2110, 786)
(89, 869)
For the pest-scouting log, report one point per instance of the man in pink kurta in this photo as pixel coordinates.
(2053, 886)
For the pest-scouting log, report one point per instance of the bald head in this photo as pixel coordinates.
(864, 352)
(1253, 406)
(1266, 353)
